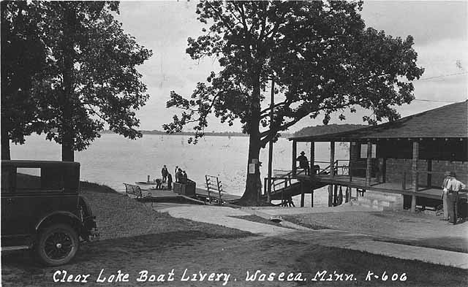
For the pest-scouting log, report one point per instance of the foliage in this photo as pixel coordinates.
(319, 54)
(90, 79)
(23, 56)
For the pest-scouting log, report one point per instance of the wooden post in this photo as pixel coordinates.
(312, 198)
(302, 193)
(312, 172)
(312, 158)
(294, 156)
(414, 171)
(403, 183)
(384, 170)
(332, 173)
(351, 159)
(332, 158)
(335, 195)
(429, 174)
(369, 163)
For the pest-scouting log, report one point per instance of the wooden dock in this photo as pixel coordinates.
(300, 184)
(387, 187)
(166, 195)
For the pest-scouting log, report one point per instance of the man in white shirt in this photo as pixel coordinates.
(453, 186)
(447, 178)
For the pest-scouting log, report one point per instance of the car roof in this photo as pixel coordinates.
(37, 163)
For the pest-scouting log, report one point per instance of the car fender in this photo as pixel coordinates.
(59, 216)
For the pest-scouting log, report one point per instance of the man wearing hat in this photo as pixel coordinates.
(444, 194)
(453, 186)
(303, 162)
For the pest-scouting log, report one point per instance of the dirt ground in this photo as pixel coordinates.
(155, 249)
(183, 257)
(421, 228)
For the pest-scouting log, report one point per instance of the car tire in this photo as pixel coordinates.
(57, 245)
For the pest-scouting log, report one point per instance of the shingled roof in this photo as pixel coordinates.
(450, 121)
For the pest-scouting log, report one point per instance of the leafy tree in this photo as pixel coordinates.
(23, 56)
(320, 55)
(90, 79)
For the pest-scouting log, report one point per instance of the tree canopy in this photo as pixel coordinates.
(90, 78)
(319, 54)
(23, 56)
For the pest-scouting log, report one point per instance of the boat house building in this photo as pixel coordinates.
(407, 157)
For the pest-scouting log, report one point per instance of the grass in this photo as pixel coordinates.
(134, 237)
(117, 215)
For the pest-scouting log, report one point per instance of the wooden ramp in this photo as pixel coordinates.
(295, 189)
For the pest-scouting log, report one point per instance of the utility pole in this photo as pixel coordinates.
(270, 151)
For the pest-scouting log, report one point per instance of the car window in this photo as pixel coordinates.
(28, 178)
(44, 179)
(52, 178)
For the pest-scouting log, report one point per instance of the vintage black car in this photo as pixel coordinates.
(43, 211)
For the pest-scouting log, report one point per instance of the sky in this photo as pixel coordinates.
(439, 28)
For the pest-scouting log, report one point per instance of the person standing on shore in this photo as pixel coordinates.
(164, 173)
(444, 194)
(169, 181)
(453, 186)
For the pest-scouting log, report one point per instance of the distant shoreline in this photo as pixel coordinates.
(228, 134)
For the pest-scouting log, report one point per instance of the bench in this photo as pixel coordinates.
(134, 190)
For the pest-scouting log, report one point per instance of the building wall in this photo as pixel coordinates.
(396, 167)
(440, 149)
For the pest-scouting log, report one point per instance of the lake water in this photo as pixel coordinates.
(113, 159)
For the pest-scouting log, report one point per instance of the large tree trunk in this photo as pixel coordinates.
(253, 185)
(5, 145)
(67, 96)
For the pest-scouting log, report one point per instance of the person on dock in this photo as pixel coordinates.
(158, 184)
(303, 162)
(164, 173)
(444, 195)
(169, 181)
(178, 175)
(182, 176)
(453, 187)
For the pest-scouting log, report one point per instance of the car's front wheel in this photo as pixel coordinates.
(57, 244)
